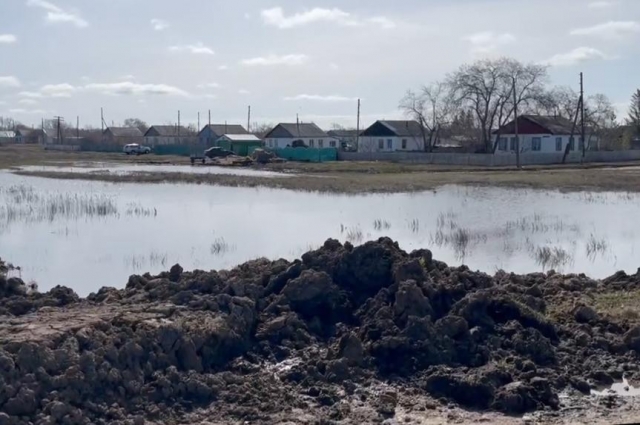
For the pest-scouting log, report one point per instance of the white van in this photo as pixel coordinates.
(136, 149)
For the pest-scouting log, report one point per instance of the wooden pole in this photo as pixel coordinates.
(583, 131)
(515, 113)
(358, 127)
(249, 119)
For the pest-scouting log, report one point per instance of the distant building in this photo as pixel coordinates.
(347, 139)
(169, 135)
(284, 135)
(123, 135)
(539, 133)
(240, 144)
(392, 136)
(7, 137)
(212, 132)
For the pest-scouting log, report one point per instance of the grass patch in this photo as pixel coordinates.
(622, 304)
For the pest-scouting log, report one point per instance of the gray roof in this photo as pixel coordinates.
(221, 129)
(403, 128)
(125, 131)
(7, 134)
(555, 125)
(302, 130)
(23, 132)
(170, 130)
(241, 137)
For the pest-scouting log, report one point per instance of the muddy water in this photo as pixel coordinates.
(126, 169)
(92, 234)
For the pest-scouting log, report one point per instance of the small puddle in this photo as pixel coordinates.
(622, 389)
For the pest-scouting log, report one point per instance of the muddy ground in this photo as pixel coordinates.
(346, 335)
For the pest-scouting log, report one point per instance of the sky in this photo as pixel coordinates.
(149, 59)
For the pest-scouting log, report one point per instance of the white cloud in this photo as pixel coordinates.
(488, 41)
(58, 90)
(223, 67)
(27, 111)
(315, 97)
(9, 81)
(277, 18)
(196, 49)
(209, 86)
(31, 94)
(131, 88)
(271, 60)
(244, 91)
(56, 14)
(159, 24)
(383, 21)
(8, 39)
(28, 102)
(578, 55)
(600, 4)
(609, 30)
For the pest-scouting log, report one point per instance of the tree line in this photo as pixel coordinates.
(479, 98)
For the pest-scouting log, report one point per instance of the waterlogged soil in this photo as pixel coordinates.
(346, 335)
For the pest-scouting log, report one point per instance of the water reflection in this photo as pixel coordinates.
(91, 234)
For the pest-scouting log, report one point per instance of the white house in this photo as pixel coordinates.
(284, 135)
(538, 134)
(169, 135)
(391, 136)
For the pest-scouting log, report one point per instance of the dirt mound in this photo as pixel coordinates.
(369, 326)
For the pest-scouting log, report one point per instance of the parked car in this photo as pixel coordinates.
(136, 149)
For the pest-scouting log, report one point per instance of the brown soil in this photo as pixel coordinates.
(347, 335)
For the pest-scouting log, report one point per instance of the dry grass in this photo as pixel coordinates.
(621, 304)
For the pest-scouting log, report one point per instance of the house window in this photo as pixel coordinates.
(381, 144)
(332, 143)
(513, 144)
(321, 143)
(558, 144)
(311, 142)
(572, 144)
(536, 144)
(502, 144)
(390, 144)
(404, 143)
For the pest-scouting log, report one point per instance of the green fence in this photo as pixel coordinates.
(308, 154)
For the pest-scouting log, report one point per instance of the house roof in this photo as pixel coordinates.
(7, 134)
(125, 131)
(241, 137)
(220, 129)
(555, 125)
(403, 128)
(343, 133)
(169, 130)
(300, 130)
(23, 131)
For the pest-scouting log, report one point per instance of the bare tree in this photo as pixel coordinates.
(559, 101)
(487, 88)
(600, 120)
(261, 129)
(7, 123)
(137, 123)
(431, 108)
(634, 112)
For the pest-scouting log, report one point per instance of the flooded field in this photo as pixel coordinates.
(86, 235)
(127, 169)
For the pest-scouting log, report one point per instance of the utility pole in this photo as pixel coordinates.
(358, 126)
(515, 113)
(583, 132)
(78, 127)
(102, 119)
(178, 129)
(209, 116)
(59, 120)
(198, 121)
(249, 119)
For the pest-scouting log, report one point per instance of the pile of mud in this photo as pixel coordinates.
(346, 335)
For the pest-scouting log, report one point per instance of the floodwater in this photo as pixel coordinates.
(126, 169)
(86, 235)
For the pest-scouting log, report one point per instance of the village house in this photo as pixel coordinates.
(348, 139)
(159, 135)
(539, 134)
(7, 137)
(391, 136)
(310, 135)
(240, 144)
(123, 135)
(212, 132)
